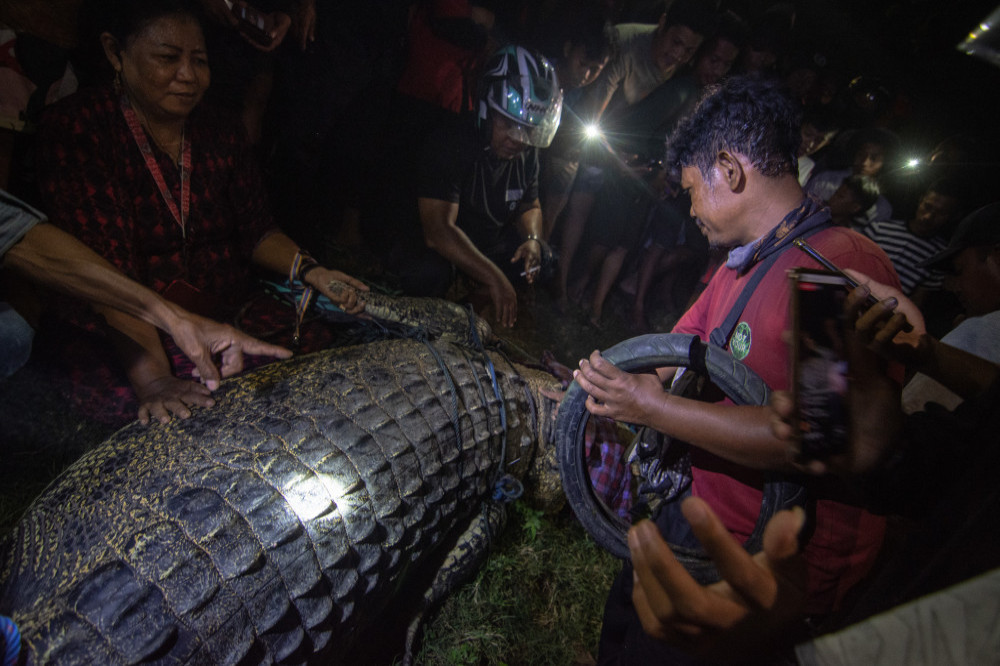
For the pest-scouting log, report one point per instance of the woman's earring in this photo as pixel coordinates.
(118, 81)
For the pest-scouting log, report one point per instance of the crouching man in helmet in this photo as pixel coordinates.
(477, 186)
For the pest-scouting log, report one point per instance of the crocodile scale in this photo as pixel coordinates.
(277, 525)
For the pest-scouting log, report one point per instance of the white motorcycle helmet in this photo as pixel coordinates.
(521, 85)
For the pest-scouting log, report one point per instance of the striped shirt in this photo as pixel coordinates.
(906, 252)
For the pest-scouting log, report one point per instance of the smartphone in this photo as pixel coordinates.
(849, 282)
(252, 23)
(819, 367)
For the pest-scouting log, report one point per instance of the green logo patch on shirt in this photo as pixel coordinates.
(739, 344)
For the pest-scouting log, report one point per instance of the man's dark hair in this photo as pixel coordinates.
(864, 189)
(952, 187)
(698, 15)
(745, 115)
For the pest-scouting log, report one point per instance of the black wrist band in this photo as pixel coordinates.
(305, 270)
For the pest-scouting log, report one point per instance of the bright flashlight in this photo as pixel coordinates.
(913, 162)
(592, 131)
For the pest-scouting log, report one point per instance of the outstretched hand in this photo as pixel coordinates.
(203, 340)
(743, 615)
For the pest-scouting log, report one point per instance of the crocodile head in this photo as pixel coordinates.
(537, 465)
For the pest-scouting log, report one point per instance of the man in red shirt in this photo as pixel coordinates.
(737, 157)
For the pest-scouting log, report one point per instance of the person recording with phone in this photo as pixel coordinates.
(971, 262)
(168, 191)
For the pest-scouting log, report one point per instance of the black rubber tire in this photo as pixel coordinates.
(738, 382)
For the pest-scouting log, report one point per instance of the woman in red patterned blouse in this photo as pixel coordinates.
(168, 192)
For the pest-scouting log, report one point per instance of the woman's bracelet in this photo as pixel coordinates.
(302, 263)
(305, 270)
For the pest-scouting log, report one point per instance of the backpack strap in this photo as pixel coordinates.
(720, 335)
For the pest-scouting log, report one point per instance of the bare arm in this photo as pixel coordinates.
(441, 233)
(276, 251)
(885, 327)
(59, 261)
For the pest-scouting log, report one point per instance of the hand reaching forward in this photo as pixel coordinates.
(504, 299)
(203, 340)
(757, 600)
(894, 327)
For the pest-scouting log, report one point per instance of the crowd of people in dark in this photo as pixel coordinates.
(474, 150)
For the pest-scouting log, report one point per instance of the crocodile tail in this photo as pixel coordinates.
(462, 562)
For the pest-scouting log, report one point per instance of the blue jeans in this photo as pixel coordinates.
(15, 340)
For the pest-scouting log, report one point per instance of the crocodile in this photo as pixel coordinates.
(278, 525)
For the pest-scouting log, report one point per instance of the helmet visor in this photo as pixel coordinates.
(541, 127)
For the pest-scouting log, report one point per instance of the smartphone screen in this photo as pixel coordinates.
(819, 362)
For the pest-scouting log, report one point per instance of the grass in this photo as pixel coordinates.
(538, 599)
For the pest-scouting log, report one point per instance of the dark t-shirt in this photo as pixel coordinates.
(490, 192)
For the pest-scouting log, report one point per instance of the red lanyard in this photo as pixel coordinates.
(180, 214)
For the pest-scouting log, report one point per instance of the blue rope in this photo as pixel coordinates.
(496, 388)
(11, 640)
(452, 389)
(507, 489)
